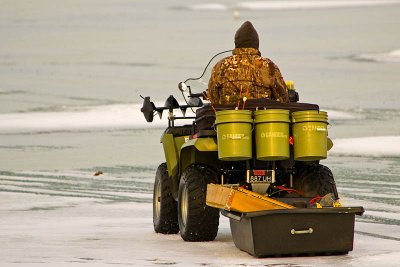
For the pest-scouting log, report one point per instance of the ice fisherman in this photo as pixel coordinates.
(245, 74)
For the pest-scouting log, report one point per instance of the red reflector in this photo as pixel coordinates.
(291, 140)
(194, 136)
(259, 172)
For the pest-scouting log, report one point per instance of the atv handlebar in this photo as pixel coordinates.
(197, 95)
(186, 88)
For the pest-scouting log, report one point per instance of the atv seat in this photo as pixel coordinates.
(180, 130)
(205, 116)
(206, 133)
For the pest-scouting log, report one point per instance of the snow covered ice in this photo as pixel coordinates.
(71, 76)
(74, 218)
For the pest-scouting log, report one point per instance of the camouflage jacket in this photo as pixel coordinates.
(246, 74)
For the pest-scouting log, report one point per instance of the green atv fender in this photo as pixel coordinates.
(171, 147)
(200, 150)
(180, 152)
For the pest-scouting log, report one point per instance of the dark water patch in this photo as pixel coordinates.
(122, 263)
(336, 122)
(36, 147)
(364, 113)
(58, 108)
(201, 8)
(374, 199)
(56, 131)
(356, 58)
(89, 103)
(378, 236)
(373, 170)
(114, 198)
(92, 101)
(8, 64)
(47, 208)
(371, 182)
(130, 64)
(379, 178)
(82, 186)
(162, 262)
(12, 92)
(107, 63)
(377, 219)
(366, 156)
(5, 179)
(88, 259)
(101, 129)
(386, 181)
(179, 8)
(133, 185)
(82, 260)
(124, 169)
(30, 262)
(365, 58)
(385, 114)
(392, 57)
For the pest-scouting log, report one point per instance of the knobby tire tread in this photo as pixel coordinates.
(203, 221)
(315, 180)
(167, 223)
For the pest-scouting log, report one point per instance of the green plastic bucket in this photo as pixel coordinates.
(310, 135)
(234, 134)
(272, 134)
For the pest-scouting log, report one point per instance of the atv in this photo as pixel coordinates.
(262, 146)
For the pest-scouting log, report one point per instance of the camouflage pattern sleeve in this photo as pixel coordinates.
(280, 91)
(246, 73)
(212, 91)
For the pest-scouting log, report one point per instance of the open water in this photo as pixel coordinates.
(71, 73)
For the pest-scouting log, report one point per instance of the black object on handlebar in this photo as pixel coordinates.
(149, 109)
(197, 95)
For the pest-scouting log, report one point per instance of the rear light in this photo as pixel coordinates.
(291, 140)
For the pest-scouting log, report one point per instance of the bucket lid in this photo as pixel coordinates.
(225, 116)
(309, 115)
(271, 115)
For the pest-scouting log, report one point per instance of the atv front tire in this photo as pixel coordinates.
(313, 179)
(165, 208)
(197, 221)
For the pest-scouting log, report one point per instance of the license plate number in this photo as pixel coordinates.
(260, 176)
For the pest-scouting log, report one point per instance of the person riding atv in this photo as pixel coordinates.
(253, 136)
(245, 74)
(250, 151)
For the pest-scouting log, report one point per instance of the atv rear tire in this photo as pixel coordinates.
(165, 208)
(314, 180)
(197, 221)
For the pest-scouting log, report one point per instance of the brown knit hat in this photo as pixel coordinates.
(246, 36)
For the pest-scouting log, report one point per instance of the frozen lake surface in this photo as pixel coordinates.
(71, 73)
(64, 231)
(73, 218)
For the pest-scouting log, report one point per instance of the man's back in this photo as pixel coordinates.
(246, 73)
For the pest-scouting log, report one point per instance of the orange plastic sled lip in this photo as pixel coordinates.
(240, 200)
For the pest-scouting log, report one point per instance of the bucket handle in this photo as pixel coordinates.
(302, 232)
